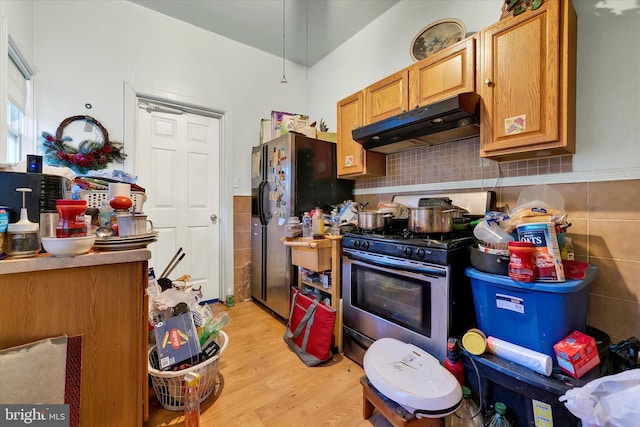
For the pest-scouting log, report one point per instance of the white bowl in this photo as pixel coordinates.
(68, 246)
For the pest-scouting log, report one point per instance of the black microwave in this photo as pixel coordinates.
(46, 189)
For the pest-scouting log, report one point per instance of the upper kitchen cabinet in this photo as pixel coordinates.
(353, 160)
(444, 74)
(387, 98)
(528, 84)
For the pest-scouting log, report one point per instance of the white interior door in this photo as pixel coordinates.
(177, 157)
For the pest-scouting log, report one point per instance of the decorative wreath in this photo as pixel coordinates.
(90, 155)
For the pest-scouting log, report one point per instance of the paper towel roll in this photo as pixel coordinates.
(538, 362)
(119, 189)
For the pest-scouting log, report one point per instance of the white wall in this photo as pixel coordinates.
(20, 24)
(87, 50)
(608, 80)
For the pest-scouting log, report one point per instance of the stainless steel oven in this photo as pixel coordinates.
(390, 297)
(409, 287)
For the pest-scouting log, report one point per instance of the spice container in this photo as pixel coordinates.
(522, 261)
(72, 222)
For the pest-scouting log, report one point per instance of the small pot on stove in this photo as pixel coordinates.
(374, 221)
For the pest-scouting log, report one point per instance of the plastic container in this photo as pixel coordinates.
(533, 315)
(317, 223)
(566, 249)
(475, 341)
(500, 419)
(491, 232)
(192, 401)
(71, 222)
(467, 415)
(293, 227)
(23, 237)
(522, 261)
(307, 230)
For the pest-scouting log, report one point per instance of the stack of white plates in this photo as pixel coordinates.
(116, 243)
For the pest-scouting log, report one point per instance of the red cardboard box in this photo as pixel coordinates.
(577, 354)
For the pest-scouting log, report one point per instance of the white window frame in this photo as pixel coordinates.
(9, 48)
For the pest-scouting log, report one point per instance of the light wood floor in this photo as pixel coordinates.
(263, 383)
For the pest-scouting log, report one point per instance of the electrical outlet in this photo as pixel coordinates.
(236, 182)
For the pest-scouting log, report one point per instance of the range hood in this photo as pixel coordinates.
(447, 120)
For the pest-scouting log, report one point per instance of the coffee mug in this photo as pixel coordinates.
(133, 225)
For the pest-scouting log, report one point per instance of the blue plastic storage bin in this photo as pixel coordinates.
(533, 315)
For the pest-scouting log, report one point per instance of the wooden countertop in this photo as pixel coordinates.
(46, 261)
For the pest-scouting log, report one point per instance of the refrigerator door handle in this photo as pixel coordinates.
(261, 204)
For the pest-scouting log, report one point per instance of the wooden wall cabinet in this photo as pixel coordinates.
(528, 84)
(353, 160)
(444, 74)
(447, 73)
(387, 97)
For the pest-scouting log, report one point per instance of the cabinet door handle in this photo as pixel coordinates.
(488, 82)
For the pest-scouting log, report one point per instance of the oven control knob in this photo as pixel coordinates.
(421, 253)
(365, 245)
(356, 243)
(407, 251)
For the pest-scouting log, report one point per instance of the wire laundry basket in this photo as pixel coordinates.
(170, 387)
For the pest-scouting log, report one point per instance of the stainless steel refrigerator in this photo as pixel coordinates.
(290, 175)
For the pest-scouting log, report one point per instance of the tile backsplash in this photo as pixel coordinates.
(457, 161)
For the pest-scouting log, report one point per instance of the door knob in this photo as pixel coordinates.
(214, 218)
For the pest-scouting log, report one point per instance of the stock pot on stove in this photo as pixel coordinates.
(436, 219)
(434, 215)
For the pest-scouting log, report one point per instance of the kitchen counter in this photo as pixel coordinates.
(45, 261)
(99, 296)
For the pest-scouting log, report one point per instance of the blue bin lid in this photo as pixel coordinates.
(569, 286)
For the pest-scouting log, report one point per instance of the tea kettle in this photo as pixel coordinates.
(23, 237)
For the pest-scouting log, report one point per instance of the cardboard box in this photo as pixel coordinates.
(328, 136)
(282, 123)
(548, 266)
(177, 342)
(577, 354)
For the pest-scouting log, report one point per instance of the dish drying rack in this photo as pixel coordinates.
(95, 198)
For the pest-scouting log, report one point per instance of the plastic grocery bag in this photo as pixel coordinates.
(610, 401)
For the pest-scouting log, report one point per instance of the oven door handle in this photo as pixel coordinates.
(413, 268)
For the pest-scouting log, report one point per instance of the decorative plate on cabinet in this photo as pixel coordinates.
(436, 36)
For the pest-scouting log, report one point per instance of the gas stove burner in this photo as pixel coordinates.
(397, 228)
(441, 237)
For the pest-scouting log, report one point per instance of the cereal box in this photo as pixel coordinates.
(548, 266)
(577, 354)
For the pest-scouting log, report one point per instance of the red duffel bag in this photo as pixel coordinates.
(310, 328)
